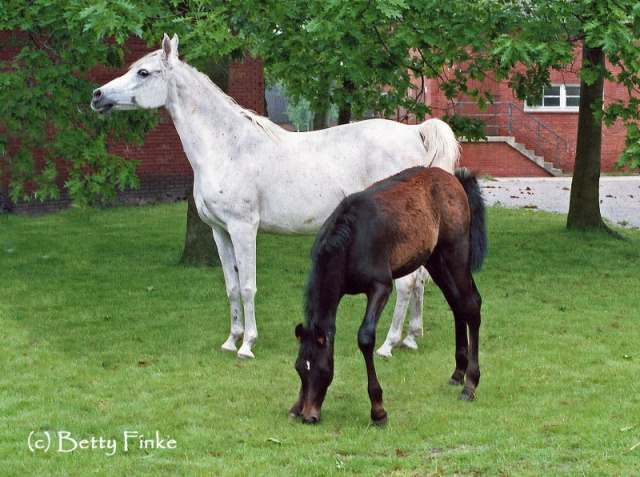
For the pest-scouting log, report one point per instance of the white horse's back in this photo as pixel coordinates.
(309, 173)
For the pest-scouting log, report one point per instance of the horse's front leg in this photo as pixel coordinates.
(243, 237)
(232, 283)
(376, 300)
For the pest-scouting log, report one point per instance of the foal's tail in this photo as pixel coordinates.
(443, 149)
(478, 230)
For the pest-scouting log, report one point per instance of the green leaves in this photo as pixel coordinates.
(114, 18)
(56, 140)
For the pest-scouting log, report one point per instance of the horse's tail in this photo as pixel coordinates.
(443, 149)
(478, 230)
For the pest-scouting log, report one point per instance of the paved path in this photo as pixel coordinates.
(619, 196)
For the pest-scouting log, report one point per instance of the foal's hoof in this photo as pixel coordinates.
(467, 395)
(380, 422)
(294, 412)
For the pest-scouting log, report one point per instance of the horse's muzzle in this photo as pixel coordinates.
(100, 103)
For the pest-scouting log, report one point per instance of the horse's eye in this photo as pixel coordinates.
(143, 73)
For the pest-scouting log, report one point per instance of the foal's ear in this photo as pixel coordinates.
(300, 331)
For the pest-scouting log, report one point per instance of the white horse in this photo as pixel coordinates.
(250, 174)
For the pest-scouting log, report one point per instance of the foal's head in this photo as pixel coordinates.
(315, 368)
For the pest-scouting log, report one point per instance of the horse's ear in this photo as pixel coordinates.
(166, 45)
(174, 44)
(320, 337)
(300, 332)
(170, 46)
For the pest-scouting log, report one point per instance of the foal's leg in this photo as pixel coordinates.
(376, 300)
(230, 272)
(454, 278)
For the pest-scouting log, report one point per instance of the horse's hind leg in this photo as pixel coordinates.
(454, 278)
(376, 300)
(243, 237)
(232, 282)
(416, 329)
(404, 285)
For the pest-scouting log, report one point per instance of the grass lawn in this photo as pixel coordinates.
(104, 338)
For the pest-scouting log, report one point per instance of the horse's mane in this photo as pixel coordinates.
(261, 123)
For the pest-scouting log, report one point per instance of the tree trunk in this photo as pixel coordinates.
(321, 120)
(584, 205)
(199, 247)
(344, 113)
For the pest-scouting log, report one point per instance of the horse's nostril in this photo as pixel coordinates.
(96, 94)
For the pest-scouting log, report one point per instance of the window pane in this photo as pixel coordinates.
(551, 101)
(573, 101)
(552, 91)
(573, 90)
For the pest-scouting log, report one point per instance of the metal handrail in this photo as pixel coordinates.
(518, 123)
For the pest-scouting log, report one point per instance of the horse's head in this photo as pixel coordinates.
(315, 368)
(144, 86)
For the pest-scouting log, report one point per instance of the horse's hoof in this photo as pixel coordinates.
(229, 347)
(245, 354)
(409, 343)
(467, 395)
(384, 351)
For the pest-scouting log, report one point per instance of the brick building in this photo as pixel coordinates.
(532, 140)
(524, 140)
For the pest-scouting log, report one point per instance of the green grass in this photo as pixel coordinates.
(102, 332)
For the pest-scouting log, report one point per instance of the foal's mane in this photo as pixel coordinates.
(335, 233)
(324, 286)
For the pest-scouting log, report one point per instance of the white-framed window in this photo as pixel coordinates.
(557, 97)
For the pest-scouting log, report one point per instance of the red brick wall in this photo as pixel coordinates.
(564, 124)
(498, 159)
